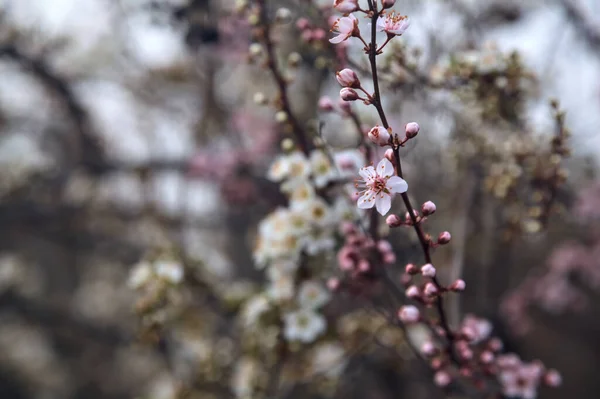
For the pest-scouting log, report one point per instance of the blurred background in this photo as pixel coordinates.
(130, 131)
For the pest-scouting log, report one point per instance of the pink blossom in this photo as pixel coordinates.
(442, 378)
(408, 314)
(345, 6)
(412, 129)
(412, 292)
(393, 24)
(428, 270)
(345, 27)
(348, 94)
(347, 78)
(378, 185)
(428, 208)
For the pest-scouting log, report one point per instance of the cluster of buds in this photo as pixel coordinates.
(360, 253)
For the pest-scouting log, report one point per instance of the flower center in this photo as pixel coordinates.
(378, 184)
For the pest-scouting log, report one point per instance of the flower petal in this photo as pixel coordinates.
(367, 200)
(397, 185)
(383, 202)
(385, 168)
(367, 173)
(338, 39)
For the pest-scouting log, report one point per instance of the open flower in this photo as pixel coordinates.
(345, 27)
(303, 325)
(378, 185)
(345, 6)
(393, 24)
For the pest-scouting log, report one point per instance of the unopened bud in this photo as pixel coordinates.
(412, 292)
(325, 104)
(428, 270)
(444, 238)
(345, 6)
(388, 3)
(428, 348)
(348, 78)
(348, 94)
(442, 379)
(255, 49)
(412, 129)
(430, 290)
(379, 135)
(458, 286)
(302, 23)
(553, 378)
(364, 266)
(333, 284)
(411, 269)
(394, 221)
(260, 98)
(428, 208)
(389, 155)
(486, 357)
(408, 314)
(281, 116)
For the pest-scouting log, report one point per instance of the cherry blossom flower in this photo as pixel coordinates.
(345, 27)
(303, 325)
(393, 24)
(345, 6)
(379, 185)
(312, 295)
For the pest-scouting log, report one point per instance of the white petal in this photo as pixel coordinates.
(367, 173)
(367, 200)
(380, 24)
(385, 168)
(383, 203)
(397, 185)
(337, 39)
(345, 24)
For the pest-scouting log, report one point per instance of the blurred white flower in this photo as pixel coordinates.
(304, 325)
(254, 308)
(281, 289)
(171, 271)
(312, 295)
(140, 275)
(289, 166)
(321, 168)
(329, 359)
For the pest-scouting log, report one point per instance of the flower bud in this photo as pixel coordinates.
(388, 3)
(379, 135)
(325, 104)
(394, 221)
(428, 270)
(428, 208)
(412, 129)
(458, 286)
(281, 116)
(428, 348)
(408, 314)
(255, 49)
(442, 379)
(283, 15)
(302, 23)
(553, 378)
(411, 269)
(348, 94)
(347, 78)
(260, 98)
(389, 258)
(486, 357)
(333, 284)
(412, 292)
(389, 155)
(345, 6)
(430, 290)
(364, 266)
(444, 238)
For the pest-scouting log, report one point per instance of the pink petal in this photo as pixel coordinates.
(367, 173)
(397, 185)
(383, 202)
(367, 200)
(380, 24)
(337, 39)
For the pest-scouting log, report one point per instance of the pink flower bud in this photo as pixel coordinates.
(389, 258)
(347, 78)
(384, 246)
(345, 6)
(408, 314)
(348, 94)
(302, 23)
(437, 363)
(486, 357)
(468, 333)
(553, 378)
(466, 354)
(466, 372)
(364, 265)
(325, 104)
(379, 135)
(444, 238)
(428, 270)
(333, 284)
(411, 269)
(430, 290)
(428, 208)
(412, 292)
(318, 34)
(442, 379)
(458, 286)
(389, 155)
(412, 129)
(388, 3)
(495, 345)
(347, 228)
(428, 348)
(405, 279)
(394, 221)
